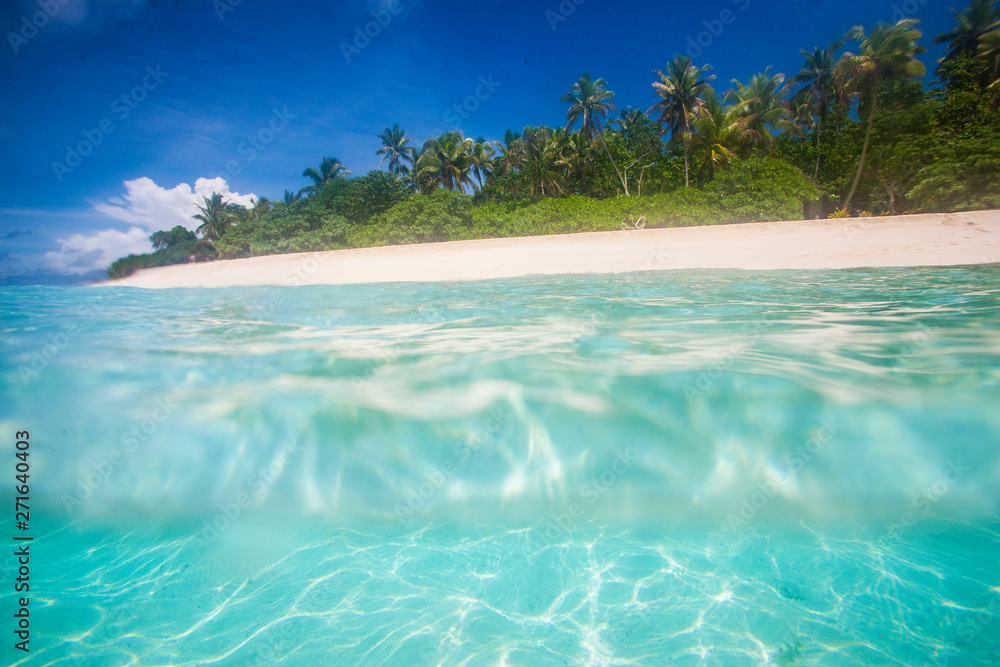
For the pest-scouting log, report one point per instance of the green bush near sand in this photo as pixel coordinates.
(178, 246)
(377, 210)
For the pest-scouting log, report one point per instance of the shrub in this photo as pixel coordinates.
(759, 190)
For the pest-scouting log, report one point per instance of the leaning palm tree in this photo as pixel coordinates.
(215, 216)
(446, 162)
(330, 169)
(766, 109)
(681, 89)
(980, 18)
(817, 92)
(887, 54)
(589, 101)
(718, 129)
(395, 149)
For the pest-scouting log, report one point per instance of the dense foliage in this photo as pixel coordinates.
(854, 131)
(178, 246)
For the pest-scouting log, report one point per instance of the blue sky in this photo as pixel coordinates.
(162, 93)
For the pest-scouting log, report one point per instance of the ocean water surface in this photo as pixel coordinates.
(662, 468)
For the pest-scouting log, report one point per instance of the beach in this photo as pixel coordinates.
(911, 240)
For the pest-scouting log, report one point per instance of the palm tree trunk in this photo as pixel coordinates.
(687, 183)
(864, 149)
(600, 134)
(819, 127)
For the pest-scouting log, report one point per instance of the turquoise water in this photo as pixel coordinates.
(664, 468)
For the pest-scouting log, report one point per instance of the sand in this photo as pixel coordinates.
(913, 240)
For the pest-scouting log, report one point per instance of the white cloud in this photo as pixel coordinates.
(147, 208)
(147, 205)
(79, 254)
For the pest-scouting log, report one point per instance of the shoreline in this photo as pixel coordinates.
(934, 239)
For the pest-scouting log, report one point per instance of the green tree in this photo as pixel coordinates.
(446, 162)
(590, 101)
(261, 207)
(511, 154)
(330, 169)
(215, 216)
(395, 148)
(887, 54)
(718, 129)
(481, 156)
(682, 89)
(289, 198)
(543, 165)
(818, 87)
(765, 109)
(972, 24)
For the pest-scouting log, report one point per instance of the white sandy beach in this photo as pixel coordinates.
(913, 240)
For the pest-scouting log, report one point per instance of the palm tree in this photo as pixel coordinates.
(765, 108)
(261, 207)
(989, 52)
(888, 53)
(543, 165)
(717, 130)
(481, 157)
(569, 150)
(817, 77)
(215, 215)
(972, 24)
(290, 198)
(589, 101)
(446, 161)
(511, 154)
(681, 88)
(630, 121)
(330, 169)
(395, 149)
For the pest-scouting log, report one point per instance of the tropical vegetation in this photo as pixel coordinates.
(859, 128)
